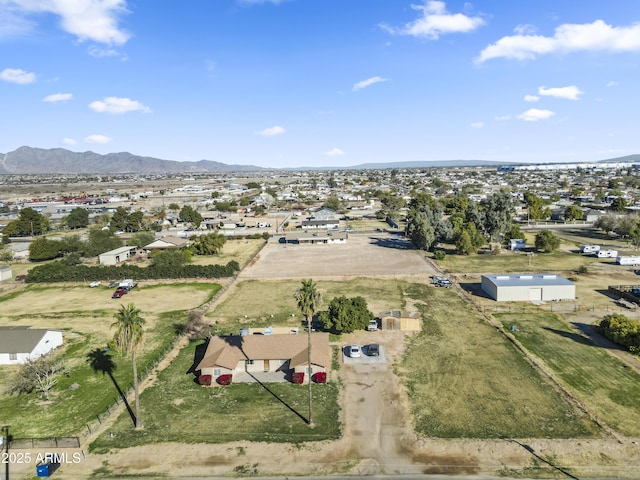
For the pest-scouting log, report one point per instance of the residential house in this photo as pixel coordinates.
(265, 357)
(167, 243)
(19, 344)
(316, 237)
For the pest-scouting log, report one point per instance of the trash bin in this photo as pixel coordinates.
(43, 470)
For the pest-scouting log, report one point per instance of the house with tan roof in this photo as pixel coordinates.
(167, 242)
(265, 358)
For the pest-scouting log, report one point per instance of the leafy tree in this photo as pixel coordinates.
(346, 315)
(189, 215)
(29, 222)
(619, 204)
(254, 185)
(333, 202)
(498, 211)
(141, 239)
(622, 330)
(78, 218)
(546, 241)
(514, 232)
(308, 300)
(170, 258)
(210, 244)
(119, 220)
(426, 223)
(100, 241)
(39, 375)
(536, 206)
(6, 255)
(174, 207)
(573, 212)
(135, 221)
(44, 249)
(128, 337)
(468, 239)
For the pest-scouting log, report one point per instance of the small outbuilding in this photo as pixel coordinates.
(115, 256)
(534, 287)
(400, 320)
(6, 273)
(19, 344)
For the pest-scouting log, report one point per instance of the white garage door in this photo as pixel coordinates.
(535, 294)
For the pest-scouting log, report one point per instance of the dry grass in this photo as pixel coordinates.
(260, 300)
(242, 251)
(466, 380)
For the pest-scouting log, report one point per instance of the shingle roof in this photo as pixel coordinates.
(19, 339)
(226, 352)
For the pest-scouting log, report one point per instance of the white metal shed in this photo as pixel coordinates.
(527, 287)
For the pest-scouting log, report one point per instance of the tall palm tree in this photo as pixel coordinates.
(308, 301)
(129, 334)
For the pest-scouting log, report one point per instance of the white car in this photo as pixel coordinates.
(355, 351)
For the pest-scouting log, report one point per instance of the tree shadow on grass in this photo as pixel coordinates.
(576, 337)
(100, 361)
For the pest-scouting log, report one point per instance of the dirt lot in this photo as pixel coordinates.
(363, 255)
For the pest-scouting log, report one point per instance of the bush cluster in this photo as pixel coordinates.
(61, 272)
(622, 330)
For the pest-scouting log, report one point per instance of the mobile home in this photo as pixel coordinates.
(628, 260)
(607, 253)
(589, 248)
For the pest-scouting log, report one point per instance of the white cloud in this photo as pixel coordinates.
(570, 93)
(272, 131)
(95, 20)
(117, 105)
(334, 152)
(502, 118)
(97, 139)
(525, 29)
(535, 114)
(368, 82)
(531, 98)
(435, 21)
(16, 75)
(477, 125)
(567, 38)
(57, 97)
(98, 52)
(612, 84)
(69, 141)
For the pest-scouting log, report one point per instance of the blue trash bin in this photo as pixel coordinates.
(43, 470)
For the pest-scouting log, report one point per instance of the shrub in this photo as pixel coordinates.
(225, 379)
(204, 380)
(439, 255)
(298, 378)
(320, 377)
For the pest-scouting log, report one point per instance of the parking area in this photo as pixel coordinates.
(365, 357)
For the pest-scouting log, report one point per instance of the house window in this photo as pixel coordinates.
(13, 356)
(249, 362)
(217, 372)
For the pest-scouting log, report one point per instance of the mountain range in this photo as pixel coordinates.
(29, 160)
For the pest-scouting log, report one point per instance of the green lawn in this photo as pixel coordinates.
(603, 383)
(249, 412)
(273, 303)
(466, 380)
(82, 393)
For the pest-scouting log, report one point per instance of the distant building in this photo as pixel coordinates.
(6, 273)
(319, 224)
(528, 287)
(316, 237)
(166, 243)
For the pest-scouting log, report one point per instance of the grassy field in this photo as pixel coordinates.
(600, 381)
(272, 302)
(82, 393)
(466, 380)
(242, 251)
(224, 414)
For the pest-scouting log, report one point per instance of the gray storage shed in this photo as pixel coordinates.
(525, 287)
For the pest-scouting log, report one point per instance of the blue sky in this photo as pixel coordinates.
(286, 83)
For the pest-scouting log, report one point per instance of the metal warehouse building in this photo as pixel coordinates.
(528, 287)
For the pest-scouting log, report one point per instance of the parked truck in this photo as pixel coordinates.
(127, 284)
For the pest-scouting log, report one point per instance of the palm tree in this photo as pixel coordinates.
(128, 337)
(308, 301)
